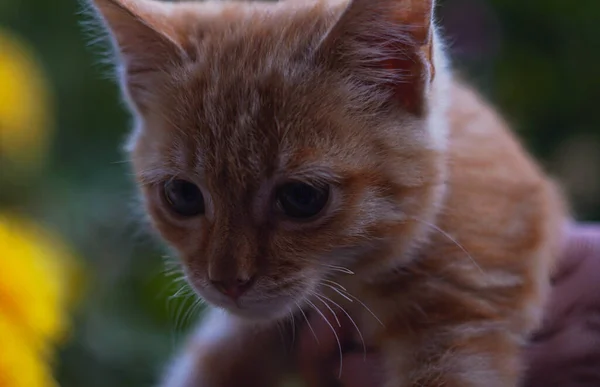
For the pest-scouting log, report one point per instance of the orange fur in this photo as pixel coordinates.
(449, 228)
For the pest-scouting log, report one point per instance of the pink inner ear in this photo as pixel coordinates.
(409, 91)
(412, 66)
(144, 32)
(419, 70)
(388, 42)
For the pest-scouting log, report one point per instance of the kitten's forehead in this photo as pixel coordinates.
(256, 101)
(258, 124)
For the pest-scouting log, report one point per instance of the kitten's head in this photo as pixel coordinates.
(277, 143)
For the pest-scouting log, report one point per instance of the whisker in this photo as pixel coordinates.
(366, 307)
(197, 304)
(334, 333)
(293, 326)
(173, 272)
(337, 320)
(362, 339)
(179, 316)
(308, 323)
(335, 283)
(338, 291)
(338, 268)
(183, 291)
(349, 296)
(453, 240)
(281, 336)
(172, 266)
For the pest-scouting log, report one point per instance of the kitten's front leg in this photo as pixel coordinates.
(227, 352)
(467, 357)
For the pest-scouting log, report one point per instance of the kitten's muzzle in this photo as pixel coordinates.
(233, 287)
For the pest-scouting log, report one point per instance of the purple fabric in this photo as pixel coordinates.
(566, 351)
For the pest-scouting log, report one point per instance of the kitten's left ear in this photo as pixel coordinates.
(388, 44)
(148, 39)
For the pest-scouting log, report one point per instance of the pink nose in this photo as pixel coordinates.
(233, 288)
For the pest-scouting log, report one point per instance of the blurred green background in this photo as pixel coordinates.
(537, 60)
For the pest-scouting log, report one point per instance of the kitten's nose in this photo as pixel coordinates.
(234, 287)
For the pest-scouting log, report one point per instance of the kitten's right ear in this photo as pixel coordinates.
(147, 41)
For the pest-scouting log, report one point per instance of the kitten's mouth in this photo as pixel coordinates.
(260, 302)
(252, 307)
(261, 310)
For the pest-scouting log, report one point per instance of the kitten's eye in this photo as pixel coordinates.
(302, 201)
(185, 198)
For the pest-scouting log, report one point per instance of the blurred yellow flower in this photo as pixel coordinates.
(38, 275)
(24, 105)
(37, 286)
(20, 365)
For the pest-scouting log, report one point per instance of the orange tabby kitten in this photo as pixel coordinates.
(320, 154)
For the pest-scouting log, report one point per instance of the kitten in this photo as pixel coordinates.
(309, 153)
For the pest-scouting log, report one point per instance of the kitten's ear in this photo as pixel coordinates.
(147, 39)
(386, 43)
